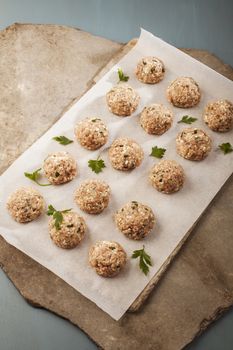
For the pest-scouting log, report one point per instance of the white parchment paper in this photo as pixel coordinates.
(175, 213)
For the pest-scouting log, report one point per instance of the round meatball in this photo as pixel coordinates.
(107, 258)
(122, 100)
(91, 133)
(25, 204)
(60, 168)
(184, 92)
(156, 119)
(218, 115)
(92, 196)
(167, 176)
(135, 220)
(150, 70)
(193, 144)
(125, 154)
(70, 232)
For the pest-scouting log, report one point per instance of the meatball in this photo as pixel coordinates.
(125, 154)
(107, 258)
(71, 231)
(150, 70)
(167, 176)
(92, 196)
(60, 168)
(156, 119)
(122, 100)
(91, 133)
(193, 144)
(184, 92)
(25, 204)
(135, 220)
(218, 115)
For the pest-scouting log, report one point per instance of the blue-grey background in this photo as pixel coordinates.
(202, 24)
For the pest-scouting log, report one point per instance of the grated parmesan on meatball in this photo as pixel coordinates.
(125, 154)
(60, 168)
(218, 115)
(184, 92)
(167, 176)
(108, 258)
(150, 70)
(71, 232)
(193, 144)
(92, 196)
(156, 119)
(122, 100)
(135, 220)
(25, 204)
(91, 133)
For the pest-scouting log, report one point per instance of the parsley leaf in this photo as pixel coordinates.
(35, 176)
(96, 165)
(144, 259)
(63, 140)
(226, 147)
(57, 215)
(157, 152)
(187, 120)
(121, 75)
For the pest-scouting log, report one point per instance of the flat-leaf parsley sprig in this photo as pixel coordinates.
(63, 140)
(187, 120)
(35, 177)
(226, 148)
(57, 215)
(96, 165)
(144, 259)
(122, 76)
(157, 152)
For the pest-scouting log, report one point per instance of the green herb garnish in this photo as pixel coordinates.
(63, 140)
(96, 165)
(157, 152)
(187, 120)
(35, 177)
(57, 215)
(226, 147)
(121, 75)
(144, 259)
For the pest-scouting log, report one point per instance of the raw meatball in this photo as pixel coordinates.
(150, 70)
(122, 100)
(125, 154)
(156, 119)
(92, 196)
(71, 232)
(25, 204)
(60, 167)
(167, 176)
(184, 92)
(135, 220)
(91, 133)
(193, 144)
(107, 258)
(218, 115)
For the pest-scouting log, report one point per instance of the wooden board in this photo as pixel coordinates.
(197, 287)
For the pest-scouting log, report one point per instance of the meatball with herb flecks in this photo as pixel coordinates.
(193, 144)
(91, 133)
(150, 70)
(167, 176)
(25, 204)
(108, 258)
(60, 167)
(135, 220)
(122, 100)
